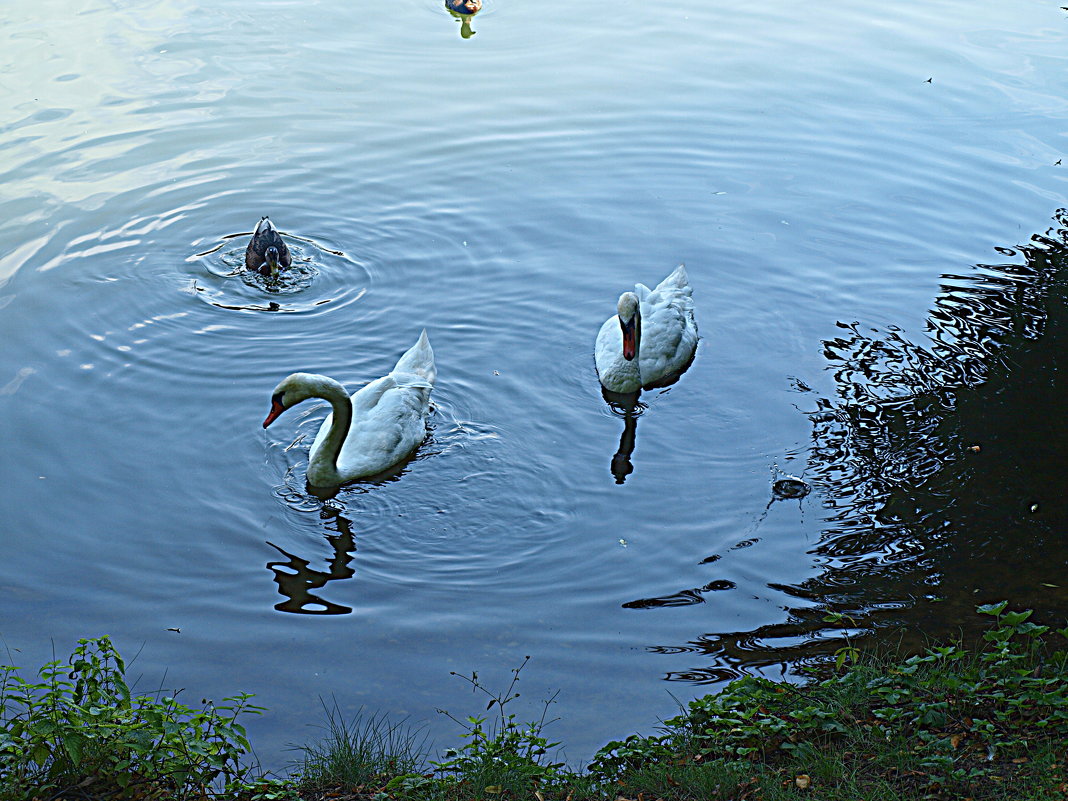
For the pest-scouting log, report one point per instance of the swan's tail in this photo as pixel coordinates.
(677, 279)
(418, 359)
(677, 284)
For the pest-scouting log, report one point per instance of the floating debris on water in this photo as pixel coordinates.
(790, 487)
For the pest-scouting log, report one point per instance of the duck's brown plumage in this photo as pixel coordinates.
(266, 236)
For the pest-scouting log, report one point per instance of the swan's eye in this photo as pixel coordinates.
(276, 399)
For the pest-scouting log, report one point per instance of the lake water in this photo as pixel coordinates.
(849, 187)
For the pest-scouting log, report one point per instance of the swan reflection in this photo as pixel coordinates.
(296, 578)
(630, 409)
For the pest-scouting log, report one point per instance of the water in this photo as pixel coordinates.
(830, 202)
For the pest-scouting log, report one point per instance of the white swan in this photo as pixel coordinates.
(657, 326)
(376, 428)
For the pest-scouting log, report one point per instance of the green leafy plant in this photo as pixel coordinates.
(952, 721)
(79, 726)
(501, 756)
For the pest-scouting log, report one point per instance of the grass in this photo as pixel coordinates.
(987, 723)
(358, 752)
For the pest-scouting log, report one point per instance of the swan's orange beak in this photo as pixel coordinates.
(630, 341)
(276, 409)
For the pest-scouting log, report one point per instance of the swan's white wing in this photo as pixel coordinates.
(388, 423)
(669, 330)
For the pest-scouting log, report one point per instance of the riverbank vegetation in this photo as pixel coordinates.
(983, 722)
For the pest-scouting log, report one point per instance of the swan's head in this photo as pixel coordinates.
(630, 321)
(290, 391)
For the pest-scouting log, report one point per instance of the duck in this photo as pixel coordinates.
(652, 338)
(465, 7)
(375, 429)
(267, 253)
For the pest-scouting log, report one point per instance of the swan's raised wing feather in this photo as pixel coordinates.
(418, 359)
(669, 330)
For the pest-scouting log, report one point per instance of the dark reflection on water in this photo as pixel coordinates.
(630, 409)
(940, 469)
(296, 578)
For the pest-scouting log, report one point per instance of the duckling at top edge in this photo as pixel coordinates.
(267, 253)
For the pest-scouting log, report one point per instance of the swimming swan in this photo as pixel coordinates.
(652, 338)
(378, 427)
(267, 253)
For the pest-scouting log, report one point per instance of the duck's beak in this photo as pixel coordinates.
(276, 409)
(630, 339)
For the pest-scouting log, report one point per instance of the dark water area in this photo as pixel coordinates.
(869, 203)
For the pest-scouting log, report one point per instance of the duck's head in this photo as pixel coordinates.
(465, 7)
(271, 264)
(630, 317)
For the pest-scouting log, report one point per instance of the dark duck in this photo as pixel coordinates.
(266, 253)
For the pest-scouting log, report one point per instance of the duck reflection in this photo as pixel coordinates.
(296, 579)
(941, 466)
(464, 10)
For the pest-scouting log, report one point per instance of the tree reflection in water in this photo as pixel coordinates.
(942, 470)
(296, 579)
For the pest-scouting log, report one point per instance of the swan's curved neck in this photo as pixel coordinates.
(322, 468)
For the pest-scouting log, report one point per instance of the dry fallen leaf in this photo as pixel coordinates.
(955, 740)
(803, 781)
(496, 789)
(1020, 760)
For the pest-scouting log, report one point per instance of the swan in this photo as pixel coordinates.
(267, 253)
(376, 428)
(651, 339)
